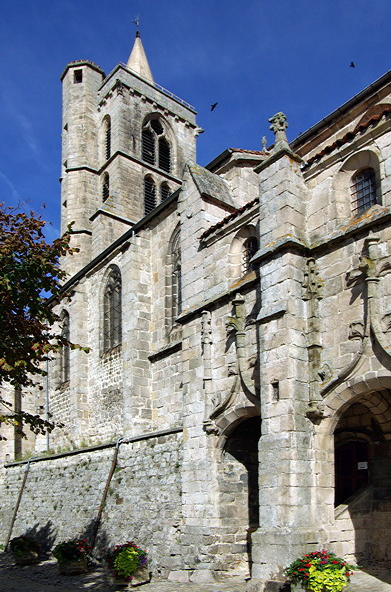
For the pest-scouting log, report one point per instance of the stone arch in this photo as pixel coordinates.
(231, 418)
(360, 161)
(238, 258)
(357, 439)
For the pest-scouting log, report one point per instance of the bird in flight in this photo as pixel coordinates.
(352, 65)
(213, 107)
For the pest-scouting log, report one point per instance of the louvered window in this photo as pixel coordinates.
(164, 155)
(65, 352)
(363, 188)
(112, 305)
(156, 149)
(106, 187)
(149, 195)
(250, 247)
(148, 147)
(108, 139)
(164, 191)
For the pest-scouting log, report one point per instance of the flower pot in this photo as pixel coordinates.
(299, 588)
(27, 558)
(73, 566)
(139, 577)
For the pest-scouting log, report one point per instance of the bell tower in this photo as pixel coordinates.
(126, 141)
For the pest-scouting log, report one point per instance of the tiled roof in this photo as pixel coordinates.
(373, 117)
(228, 218)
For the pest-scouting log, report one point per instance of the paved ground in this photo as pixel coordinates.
(45, 578)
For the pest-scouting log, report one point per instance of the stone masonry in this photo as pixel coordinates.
(244, 355)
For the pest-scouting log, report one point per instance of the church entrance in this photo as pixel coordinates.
(239, 490)
(362, 446)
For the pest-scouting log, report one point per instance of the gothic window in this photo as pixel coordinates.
(164, 191)
(108, 138)
(176, 286)
(112, 311)
(155, 148)
(250, 247)
(149, 195)
(65, 352)
(363, 190)
(106, 187)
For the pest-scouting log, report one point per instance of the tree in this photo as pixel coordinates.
(29, 330)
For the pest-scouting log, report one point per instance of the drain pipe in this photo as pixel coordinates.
(17, 503)
(105, 492)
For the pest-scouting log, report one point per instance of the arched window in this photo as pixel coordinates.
(112, 311)
(107, 137)
(155, 148)
(363, 190)
(249, 248)
(164, 191)
(176, 279)
(243, 248)
(65, 352)
(149, 195)
(106, 187)
(164, 155)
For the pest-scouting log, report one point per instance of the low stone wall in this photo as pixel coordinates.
(62, 496)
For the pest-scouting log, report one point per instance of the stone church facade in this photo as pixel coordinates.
(238, 319)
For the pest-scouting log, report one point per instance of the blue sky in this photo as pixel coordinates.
(254, 57)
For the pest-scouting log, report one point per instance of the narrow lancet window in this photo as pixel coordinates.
(112, 311)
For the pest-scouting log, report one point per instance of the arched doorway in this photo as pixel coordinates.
(362, 442)
(238, 484)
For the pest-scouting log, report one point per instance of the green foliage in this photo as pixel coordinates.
(320, 571)
(29, 268)
(71, 550)
(125, 559)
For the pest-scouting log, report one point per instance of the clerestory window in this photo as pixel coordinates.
(155, 148)
(363, 190)
(112, 311)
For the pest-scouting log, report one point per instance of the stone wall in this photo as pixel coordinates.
(62, 495)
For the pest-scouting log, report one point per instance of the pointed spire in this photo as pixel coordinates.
(138, 62)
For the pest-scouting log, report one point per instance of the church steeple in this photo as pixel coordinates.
(138, 62)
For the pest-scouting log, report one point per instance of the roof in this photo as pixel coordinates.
(228, 218)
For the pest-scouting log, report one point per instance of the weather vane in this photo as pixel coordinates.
(136, 21)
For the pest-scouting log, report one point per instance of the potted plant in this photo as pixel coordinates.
(72, 556)
(128, 564)
(319, 571)
(25, 549)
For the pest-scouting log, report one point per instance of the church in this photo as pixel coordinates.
(233, 410)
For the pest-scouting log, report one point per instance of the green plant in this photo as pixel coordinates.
(320, 571)
(125, 559)
(71, 550)
(24, 544)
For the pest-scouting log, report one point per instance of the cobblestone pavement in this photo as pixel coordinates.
(45, 578)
